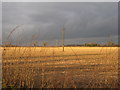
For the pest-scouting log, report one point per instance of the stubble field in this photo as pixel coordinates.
(50, 67)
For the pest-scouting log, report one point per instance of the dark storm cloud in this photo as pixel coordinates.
(43, 21)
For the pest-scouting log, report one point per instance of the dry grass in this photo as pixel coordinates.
(49, 67)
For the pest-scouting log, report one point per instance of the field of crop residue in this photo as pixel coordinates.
(50, 67)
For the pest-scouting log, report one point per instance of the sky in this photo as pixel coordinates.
(42, 22)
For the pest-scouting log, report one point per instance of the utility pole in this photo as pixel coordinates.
(63, 29)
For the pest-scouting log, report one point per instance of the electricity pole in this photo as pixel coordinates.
(63, 29)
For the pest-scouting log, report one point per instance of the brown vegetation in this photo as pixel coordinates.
(49, 67)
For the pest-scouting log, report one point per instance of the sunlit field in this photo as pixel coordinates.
(50, 67)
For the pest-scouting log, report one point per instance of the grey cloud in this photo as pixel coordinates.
(45, 20)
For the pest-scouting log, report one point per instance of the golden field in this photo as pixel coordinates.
(50, 67)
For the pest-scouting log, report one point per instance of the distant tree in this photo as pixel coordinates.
(91, 44)
(45, 44)
(35, 43)
(9, 45)
(109, 44)
(86, 44)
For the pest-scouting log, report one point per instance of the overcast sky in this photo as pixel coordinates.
(83, 22)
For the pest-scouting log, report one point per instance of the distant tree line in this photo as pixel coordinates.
(9, 45)
(108, 44)
(35, 44)
(91, 44)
